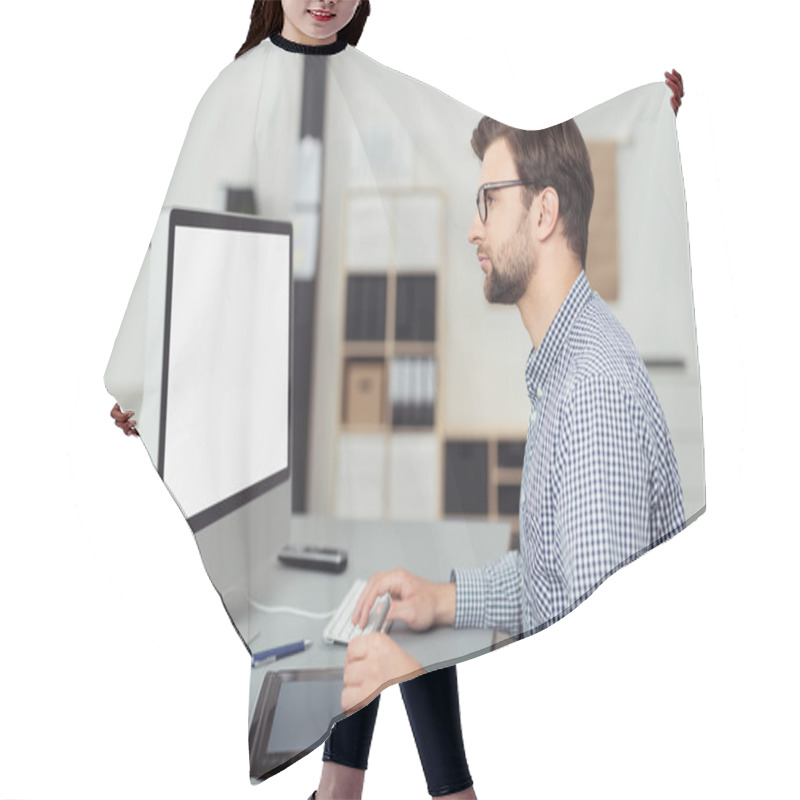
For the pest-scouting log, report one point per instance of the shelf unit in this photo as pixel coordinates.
(390, 464)
(481, 479)
(388, 417)
(373, 354)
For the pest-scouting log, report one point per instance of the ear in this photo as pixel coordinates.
(548, 207)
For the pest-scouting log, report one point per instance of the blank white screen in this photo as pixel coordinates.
(228, 382)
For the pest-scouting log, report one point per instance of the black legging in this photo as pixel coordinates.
(433, 711)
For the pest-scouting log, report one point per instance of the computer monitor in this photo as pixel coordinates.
(224, 416)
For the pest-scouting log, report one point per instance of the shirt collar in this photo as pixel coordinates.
(307, 49)
(541, 361)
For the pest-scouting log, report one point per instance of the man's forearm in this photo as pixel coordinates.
(445, 604)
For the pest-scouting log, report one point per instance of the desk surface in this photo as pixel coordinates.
(428, 549)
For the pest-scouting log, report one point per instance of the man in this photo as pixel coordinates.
(600, 481)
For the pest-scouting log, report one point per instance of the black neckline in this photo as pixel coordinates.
(308, 49)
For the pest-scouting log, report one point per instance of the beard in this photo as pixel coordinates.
(512, 269)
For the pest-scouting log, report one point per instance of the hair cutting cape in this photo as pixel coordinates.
(402, 444)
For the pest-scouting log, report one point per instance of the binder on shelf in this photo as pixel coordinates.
(430, 391)
(412, 391)
(363, 400)
(415, 312)
(508, 500)
(366, 308)
(511, 453)
(466, 477)
(415, 399)
(396, 390)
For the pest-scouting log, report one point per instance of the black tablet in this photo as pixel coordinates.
(294, 707)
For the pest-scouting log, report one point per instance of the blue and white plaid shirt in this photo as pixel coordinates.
(600, 482)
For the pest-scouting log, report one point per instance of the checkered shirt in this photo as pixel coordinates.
(600, 483)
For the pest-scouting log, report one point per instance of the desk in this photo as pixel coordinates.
(428, 549)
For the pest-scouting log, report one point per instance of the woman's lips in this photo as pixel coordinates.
(322, 16)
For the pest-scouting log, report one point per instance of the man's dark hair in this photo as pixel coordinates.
(555, 157)
(266, 19)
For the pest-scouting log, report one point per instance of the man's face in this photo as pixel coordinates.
(505, 246)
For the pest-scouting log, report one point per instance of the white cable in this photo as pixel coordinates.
(296, 611)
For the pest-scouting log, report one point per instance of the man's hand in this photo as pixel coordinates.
(675, 82)
(124, 420)
(373, 661)
(419, 603)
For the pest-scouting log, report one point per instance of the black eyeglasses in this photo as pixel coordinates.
(480, 200)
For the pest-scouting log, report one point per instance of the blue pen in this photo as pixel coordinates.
(274, 653)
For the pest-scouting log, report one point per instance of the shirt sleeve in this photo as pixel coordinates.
(602, 486)
(490, 596)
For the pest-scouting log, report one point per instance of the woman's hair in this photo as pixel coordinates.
(266, 19)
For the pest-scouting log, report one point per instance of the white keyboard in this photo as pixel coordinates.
(340, 630)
